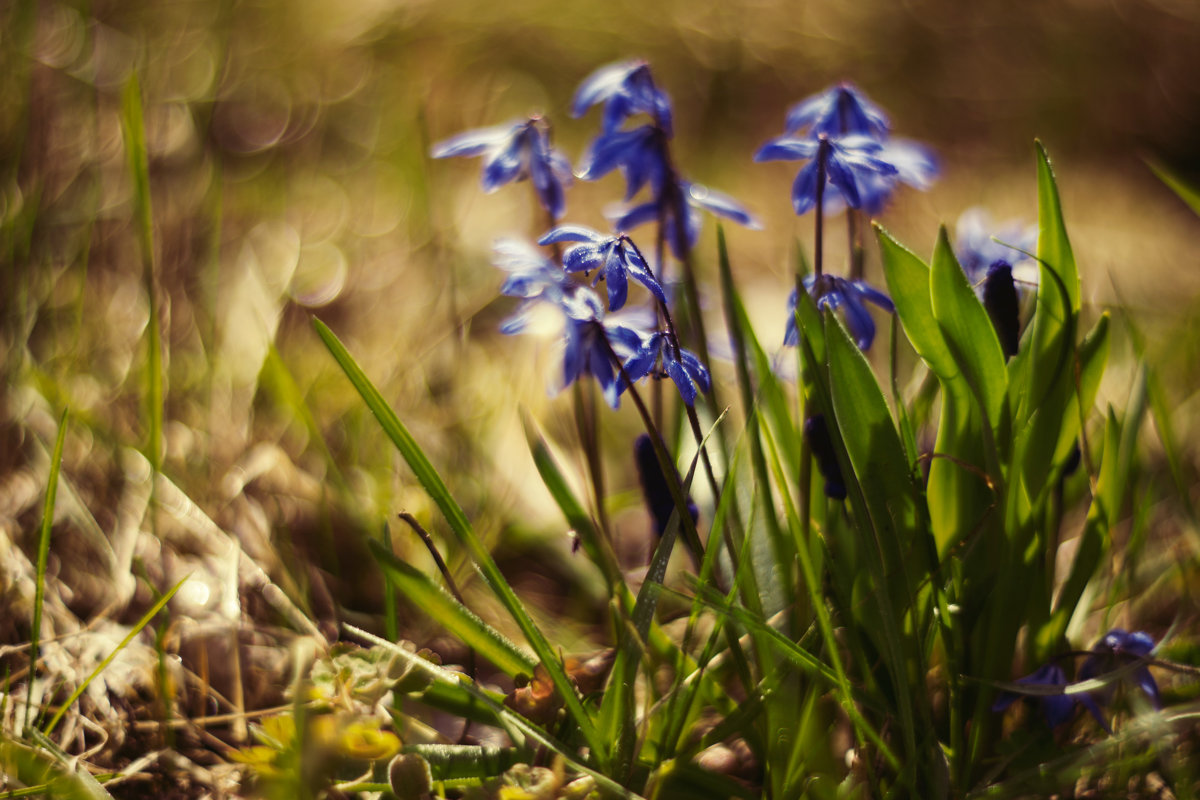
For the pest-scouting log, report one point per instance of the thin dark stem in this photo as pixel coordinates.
(427, 540)
(818, 250)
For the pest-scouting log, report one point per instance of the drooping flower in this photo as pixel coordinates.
(683, 367)
(841, 110)
(848, 165)
(640, 153)
(833, 292)
(515, 152)
(615, 259)
(1056, 707)
(681, 232)
(626, 88)
(531, 277)
(591, 343)
(654, 485)
(1117, 649)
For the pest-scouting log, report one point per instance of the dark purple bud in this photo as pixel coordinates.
(654, 486)
(1000, 300)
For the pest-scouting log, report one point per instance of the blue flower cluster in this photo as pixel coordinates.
(844, 137)
(1117, 650)
(643, 156)
(851, 162)
(615, 354)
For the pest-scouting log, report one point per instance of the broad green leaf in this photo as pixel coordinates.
(462, 529)
(456, 618)
(908, 282)
(968, 331)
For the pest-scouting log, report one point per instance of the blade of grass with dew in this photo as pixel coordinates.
(456, 618)
(133, 130)
(137, 628)
(510, 718)
(43, 555)
(463, 531)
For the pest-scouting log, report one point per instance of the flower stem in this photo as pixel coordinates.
(818, 250)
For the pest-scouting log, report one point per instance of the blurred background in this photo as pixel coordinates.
(290, 177)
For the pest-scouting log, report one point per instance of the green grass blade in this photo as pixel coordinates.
(134, 133)
(137, 628)
(462, 529)
(597, 548)
(1185, 191)
(456, 618)
(43, 555)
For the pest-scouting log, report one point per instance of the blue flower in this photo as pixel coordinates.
(514, 152)
(625, 88)
(980, 243)
(591, 343)
(682, 367)
(832, 292)
(614, 257)
(532, 277)
(1117, 649)
(641, 154)
(849, 165)
(841, 110)
(1056, 706)
(681, 233)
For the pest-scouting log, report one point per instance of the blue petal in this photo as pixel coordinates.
(804, 189)
(859, 321)
(638, 215)
(678, 374)
(720, 204)
(475, 142)
(618, 284)
(570, 233)
(786, 148)
(843, 179)
(601, 85)
(583, 258)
